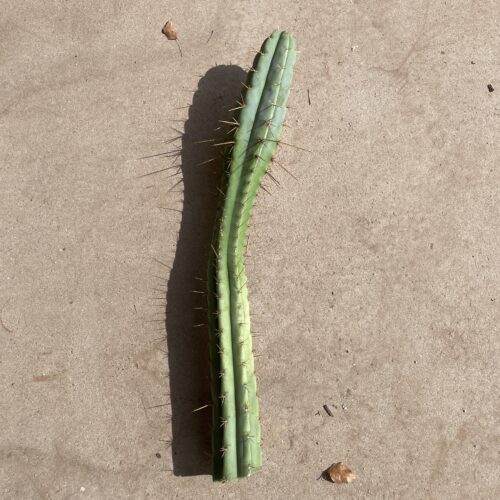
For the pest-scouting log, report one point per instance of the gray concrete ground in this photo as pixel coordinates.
(374, 278)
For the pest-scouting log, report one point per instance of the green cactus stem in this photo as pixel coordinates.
(248, 152)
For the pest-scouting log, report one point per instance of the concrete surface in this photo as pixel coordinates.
(374, 279)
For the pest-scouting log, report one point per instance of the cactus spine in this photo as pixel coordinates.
(248, 153)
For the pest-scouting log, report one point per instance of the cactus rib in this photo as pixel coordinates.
(248, 153)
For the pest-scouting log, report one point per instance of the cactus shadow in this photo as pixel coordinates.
(188, 359)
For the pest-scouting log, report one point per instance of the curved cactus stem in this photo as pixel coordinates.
(249, 150)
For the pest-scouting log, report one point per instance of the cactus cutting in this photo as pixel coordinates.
(249, 149)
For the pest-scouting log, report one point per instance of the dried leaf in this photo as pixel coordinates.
(168, 30)
(340, 473)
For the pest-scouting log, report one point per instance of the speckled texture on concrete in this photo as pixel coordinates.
(374, 278)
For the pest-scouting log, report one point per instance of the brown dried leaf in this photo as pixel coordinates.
(168, 30)
(340, 473)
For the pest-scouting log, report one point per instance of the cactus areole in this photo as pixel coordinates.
(236, 437)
